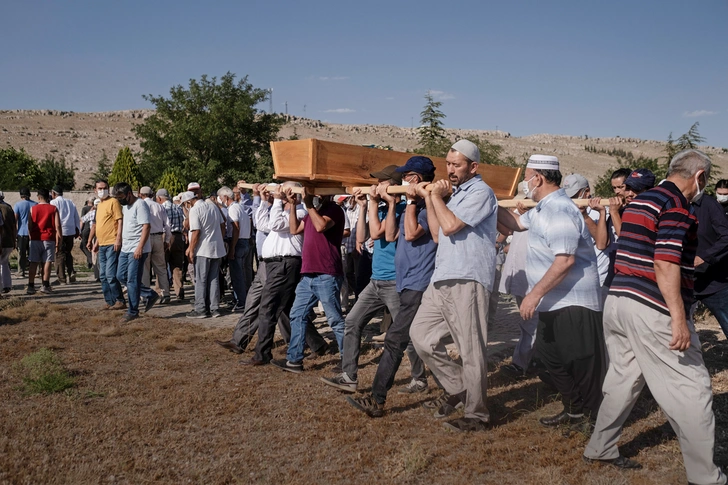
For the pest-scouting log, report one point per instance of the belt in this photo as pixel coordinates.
(176, 232)
(157, 233)
(278, 259)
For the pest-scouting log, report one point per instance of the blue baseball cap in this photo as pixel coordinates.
(418, 164)
(640, 180)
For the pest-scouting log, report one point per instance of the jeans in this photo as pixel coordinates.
(395, 344)
(23, 245)
(717, 303)
(377, 295)
(237, 271)
(129, 274)
(107, 263)
(310, 289)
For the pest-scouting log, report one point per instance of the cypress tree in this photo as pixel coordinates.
(125, 169)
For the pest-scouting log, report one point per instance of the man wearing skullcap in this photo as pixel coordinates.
(455, 303)
(564, 289)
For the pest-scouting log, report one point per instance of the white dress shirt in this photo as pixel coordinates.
(70, 221)
(280, 241)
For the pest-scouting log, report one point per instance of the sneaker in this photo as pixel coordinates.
(119, 305)
(128, 318)
(514, 370)
(105, 307)
(466, 424)
(295, 367)
(367, 405)
(238, 309)
(216, 314)
(150, 302)
(437, 402)
(341, 382)
(46, 289)
(72, 278)
(451, 404)
(414, 387)
(196, 314)
(30, 290)
(164, 300)
(7, 289)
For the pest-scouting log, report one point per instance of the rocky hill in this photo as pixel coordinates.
(82, 138)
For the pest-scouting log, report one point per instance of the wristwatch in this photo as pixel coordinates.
(410, 201)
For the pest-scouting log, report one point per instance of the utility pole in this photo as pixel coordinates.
(270, 101)
(286, 108)
(304, 110)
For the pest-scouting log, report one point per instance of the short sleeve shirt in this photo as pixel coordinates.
(22, 208)
(206, 218)
(135, 217)
(108, 213)
(415, 260)
(383, 257)
(469, 254)
(556, 226)
(321, 252)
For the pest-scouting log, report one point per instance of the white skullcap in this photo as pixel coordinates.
(543, 162)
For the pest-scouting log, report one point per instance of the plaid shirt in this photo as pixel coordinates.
(174, 216)
(353, 215)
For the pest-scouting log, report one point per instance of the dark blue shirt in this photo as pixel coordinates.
(414, 261)
(711, 276)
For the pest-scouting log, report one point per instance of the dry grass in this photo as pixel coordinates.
(157, 401)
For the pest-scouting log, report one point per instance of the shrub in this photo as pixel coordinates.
(42, 372)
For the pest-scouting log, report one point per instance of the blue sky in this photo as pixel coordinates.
(628, 68)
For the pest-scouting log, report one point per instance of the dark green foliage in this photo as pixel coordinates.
(42, 372)
(209, 132)
(492, 154)
(17, 169)
(125, 169)
(612, 152)
(103, 170)
(431, 133)
(53, 172)
(603, 187)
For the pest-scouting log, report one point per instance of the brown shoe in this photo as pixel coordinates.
(119, 306)
(105, 307)
(230, 345)
(253, 361)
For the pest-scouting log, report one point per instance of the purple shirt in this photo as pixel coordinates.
(321, 253)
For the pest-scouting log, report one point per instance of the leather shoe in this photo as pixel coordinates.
(230, 345)
(620, 462)
(253, 361)
(559, 419)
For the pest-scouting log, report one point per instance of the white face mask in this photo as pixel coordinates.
(405, 183)
(722, 198)
(219, 201)
(316, 202)
(527, 191)
(102, 193)
(700, 192)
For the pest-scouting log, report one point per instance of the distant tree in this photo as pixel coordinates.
(210, 132)
(125, 169)
(171, 181)
(17, 169)
(691, 139)
(53, 172)
(103, 170)
(431, 133)
(603, 187)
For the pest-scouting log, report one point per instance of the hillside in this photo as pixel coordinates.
(82, 137)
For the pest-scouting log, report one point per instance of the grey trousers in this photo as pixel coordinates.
(377, 295)
(525, 348)
(207, 285)
(456, 308)
(157, 260)
(638, 340)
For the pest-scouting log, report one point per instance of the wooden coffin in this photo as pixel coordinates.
(329, 164)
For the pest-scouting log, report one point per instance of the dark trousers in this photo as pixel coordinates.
(395, 344)
(64, 260)
(364, 271)
(84, 241)
(176, 262)
(570, 344)
(277, 297)
(23, 246)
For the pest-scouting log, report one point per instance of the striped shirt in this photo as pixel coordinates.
(174, 216)
(658, 225)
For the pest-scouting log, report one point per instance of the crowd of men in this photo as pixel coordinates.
(605, 289)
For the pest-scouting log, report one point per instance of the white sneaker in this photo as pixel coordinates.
(414, 387)
(341, 381)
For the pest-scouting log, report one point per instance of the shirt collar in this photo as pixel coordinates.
(467, 184)
(552, 196)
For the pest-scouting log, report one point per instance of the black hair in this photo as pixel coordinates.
(122, 188)
(102, 181)
(722, 184)
(45, 194)
(620, 172)
(551, 176)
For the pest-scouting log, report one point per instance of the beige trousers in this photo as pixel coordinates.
(158, 260)
(457, 309)
(638, 339)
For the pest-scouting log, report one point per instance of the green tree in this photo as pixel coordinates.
(172, 182)
(17, 169)
(125, 169)
(103, 170)
(53, 172)
(492, 153)
(603, 187)
(431, 133)
(210, 132)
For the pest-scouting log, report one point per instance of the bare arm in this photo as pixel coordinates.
(601, 237)
(447, 220)
(510, 220)
(119, 232)
(554, 275)
(296, 226)
(142, 241)
(194, 239)
(59, 230)
(668, 280)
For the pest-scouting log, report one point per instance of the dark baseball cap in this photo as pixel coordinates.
(640, 180)
(418, 164)
(388, 173)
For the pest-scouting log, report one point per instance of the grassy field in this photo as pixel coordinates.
(158, 401)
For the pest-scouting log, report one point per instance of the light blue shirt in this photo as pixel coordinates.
(135, 216)
(469, 254)
(22, 212)
(555, 226)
